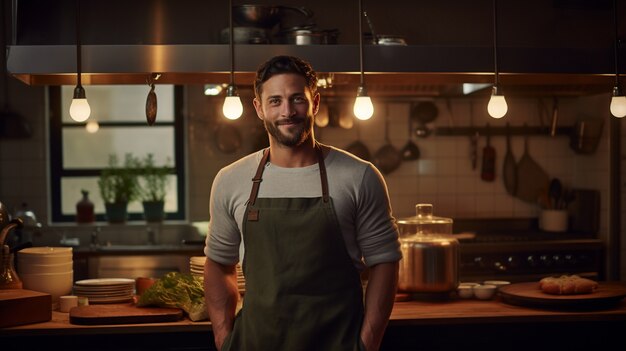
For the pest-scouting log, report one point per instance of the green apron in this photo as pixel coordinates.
(302, 289)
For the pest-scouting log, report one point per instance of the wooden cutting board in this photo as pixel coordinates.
(21, 306)
(122, 314)
(529, 294)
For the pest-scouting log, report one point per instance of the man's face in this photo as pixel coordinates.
(287, 108)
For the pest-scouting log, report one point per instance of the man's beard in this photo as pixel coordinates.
(300, 134)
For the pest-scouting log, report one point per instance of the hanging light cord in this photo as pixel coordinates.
(616, 43)
(232, 46)
(78, 50)
(495, 41)
(361, 41)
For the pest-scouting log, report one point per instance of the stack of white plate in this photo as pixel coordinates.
(105, 290)
(196, 268)
(46, 269)
(196, 265)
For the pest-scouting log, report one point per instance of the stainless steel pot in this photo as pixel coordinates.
(308, 36)
(430, 253)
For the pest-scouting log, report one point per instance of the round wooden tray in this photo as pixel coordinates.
(529, 294)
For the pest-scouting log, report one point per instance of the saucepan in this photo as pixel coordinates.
(264, 16)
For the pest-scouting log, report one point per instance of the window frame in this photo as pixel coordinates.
(57, 172)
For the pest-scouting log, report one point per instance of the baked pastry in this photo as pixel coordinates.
(567, 285)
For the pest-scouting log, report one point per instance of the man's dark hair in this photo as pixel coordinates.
(285, 64)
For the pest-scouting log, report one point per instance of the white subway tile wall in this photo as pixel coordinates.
(442, 176)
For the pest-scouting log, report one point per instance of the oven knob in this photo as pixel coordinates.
(557, 260)
(570, 260)
(513, 261)
(546, 260)
(499, 267)
(479, 262)
(532, 261)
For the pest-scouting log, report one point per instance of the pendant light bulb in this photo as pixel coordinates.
(497, 106)
(233, 108)
(363, 107)
(79, 109)
(618, 103)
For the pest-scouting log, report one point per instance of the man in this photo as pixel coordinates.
(311, 217)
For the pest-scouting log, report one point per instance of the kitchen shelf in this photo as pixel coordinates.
(501, 131)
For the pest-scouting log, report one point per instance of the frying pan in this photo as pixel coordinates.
(387, 159)
(422, 113)
(410, 151)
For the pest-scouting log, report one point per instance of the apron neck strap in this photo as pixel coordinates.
(258, 177)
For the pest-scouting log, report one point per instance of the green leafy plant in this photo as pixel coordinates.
(153, 179)
(119, 184)
(177, 290)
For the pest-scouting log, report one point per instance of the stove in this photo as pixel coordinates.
(529, 256)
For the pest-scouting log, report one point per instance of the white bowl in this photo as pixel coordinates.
(497, 283)
(46, 250)
(484, 292)
(470, 284)
(45, 255)
(465, 292)
(55, 284)
(33, 268)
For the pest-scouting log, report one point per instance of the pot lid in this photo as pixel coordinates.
(424, 215)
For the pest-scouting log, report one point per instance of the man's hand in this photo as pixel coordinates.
(379, 298)
(221, 296)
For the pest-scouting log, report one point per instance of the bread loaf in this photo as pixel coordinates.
(567, 285)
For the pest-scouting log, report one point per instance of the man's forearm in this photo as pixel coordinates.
(379, 298)
(221, 296)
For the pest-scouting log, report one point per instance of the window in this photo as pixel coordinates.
(77, 156)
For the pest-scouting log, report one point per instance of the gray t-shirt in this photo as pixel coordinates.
(358, 191)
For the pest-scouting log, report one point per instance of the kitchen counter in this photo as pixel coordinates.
(413, 324)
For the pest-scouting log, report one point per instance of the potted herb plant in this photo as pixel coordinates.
(153, 188)
(119, 186)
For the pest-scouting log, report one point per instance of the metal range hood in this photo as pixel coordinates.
(390, 70)
(124, 42)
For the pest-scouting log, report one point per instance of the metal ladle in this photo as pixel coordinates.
(410, 151)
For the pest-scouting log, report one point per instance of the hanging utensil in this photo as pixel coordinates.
(509, 167)
(532, 180)
(357, 148)
(410, 151)
(473, 139)
(488, 170)
(555, 117)
(387, 159)
(555, 190)
(423, 113)
(151, 101)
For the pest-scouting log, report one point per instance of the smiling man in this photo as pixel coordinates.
(311, 218)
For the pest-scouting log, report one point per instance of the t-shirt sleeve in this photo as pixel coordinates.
(377, 232)
(223, 238)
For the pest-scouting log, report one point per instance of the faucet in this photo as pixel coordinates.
(151, 235)
(95, 242)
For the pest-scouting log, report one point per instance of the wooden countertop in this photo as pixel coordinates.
(403, 314)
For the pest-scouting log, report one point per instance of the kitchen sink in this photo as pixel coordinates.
(131, 266)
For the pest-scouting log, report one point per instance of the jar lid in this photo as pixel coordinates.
(424, 215)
